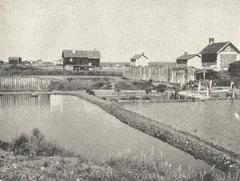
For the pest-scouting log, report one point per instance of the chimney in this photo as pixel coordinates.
(142, 53)
(211, 40)
(185, 53)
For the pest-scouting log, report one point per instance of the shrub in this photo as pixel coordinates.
(146, 98)
(36, 144)
(148, 90)
(69, 78)
(123, 85)
(223, 79)
(193, 84)
(234, 68)
(133, 98)
(90, 91)
(98, 85)
(161, 88)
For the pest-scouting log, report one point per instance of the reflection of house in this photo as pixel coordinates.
(15, 60)
(56, 103)
(80, 59)
(189, 60)
(139, 60)
(219, 55)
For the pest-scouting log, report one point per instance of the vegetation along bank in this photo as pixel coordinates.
(213, 154)
(33, 157)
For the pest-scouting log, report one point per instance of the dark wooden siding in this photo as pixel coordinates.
(182, 61)
(95, 62)
(81, 61)
(15, 61)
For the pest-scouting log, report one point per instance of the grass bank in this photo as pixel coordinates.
(213, 154)
(73, 84)
(17, 70)
(32, 157)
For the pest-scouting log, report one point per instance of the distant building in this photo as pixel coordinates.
(58, 62)
(218, 55)
(26, 62)
(80, 59)
(189, 60)
(139, 60)
(162, 64)
(14, 60)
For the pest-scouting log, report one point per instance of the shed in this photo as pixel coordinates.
(14, 60)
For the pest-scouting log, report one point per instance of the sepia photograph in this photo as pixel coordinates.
(111, 90)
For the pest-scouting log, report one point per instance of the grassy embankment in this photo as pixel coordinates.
(211, 153)
(22, 70)
(118, 85)
(32, 157)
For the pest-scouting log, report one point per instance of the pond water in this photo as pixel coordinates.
(82, 127)
(216, 121)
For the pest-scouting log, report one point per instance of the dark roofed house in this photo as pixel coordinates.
(218, 55)
(189, 60)
(14, 60)
(80, 59)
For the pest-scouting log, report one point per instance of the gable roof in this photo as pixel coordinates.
(95, 54)
(137, 56)
(216, 47)
(187, 56)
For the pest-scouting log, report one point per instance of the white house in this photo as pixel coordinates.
(189, 60)
(139, 60)
(218, 55)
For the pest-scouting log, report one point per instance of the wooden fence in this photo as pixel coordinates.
(15, 84)
(160, 73)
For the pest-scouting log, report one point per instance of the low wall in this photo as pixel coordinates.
(160, 73)
(213, 154)
(15, 84)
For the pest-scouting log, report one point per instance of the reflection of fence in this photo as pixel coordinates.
(160, 73)
(11, 84)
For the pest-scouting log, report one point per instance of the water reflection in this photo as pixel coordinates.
(13, 100)
(82, 127)
(56, 103)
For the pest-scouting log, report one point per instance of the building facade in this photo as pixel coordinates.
(189, 60)
(218, 55)
(14, 60)
(75, 60)
(139, 60)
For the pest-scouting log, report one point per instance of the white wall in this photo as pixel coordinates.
(132, 63)
(142, 61)
(68, 67)
(195, 62)
(219, 61)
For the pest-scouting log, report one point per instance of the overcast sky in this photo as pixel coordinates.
(163, 29)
